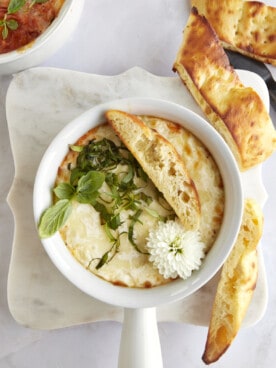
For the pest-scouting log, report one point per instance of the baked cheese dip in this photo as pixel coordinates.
(112, 207)
(22, 21)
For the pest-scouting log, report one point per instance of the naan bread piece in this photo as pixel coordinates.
(236, 112)
(236, 285)
(248, 27)
(162, 163)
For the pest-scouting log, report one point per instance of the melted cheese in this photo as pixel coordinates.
(87, 240)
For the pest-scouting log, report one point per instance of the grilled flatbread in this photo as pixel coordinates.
(236, 285)
(236, 112)
(86, 238)
(248, 27)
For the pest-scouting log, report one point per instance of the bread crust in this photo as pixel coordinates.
(236, 285)
(162, 163)
(247, 27)
(236, 112)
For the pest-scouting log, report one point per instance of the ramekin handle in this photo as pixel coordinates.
(140, 344)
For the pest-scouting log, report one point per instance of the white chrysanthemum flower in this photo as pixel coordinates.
(174, 251)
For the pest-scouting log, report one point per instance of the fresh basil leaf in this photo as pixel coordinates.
(54, 218)
(87, 197)
(88, 185)
(64, 191)
(15, 5)
(93, 180)
(76, 174)
(12, 24)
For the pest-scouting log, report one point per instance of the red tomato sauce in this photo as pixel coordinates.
(32, 21)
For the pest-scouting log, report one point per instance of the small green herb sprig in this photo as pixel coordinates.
(97, 163)
(14, 6)
(86, 191)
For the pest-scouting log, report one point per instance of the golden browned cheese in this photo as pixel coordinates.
(236, 285)
(236, 112)
(83, 233)
(248, 27)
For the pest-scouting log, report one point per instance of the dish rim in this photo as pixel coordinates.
(178, 289)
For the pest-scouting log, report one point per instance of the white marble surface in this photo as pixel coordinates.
(121, 35)
(36, 111)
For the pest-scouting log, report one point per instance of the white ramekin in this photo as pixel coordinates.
(140, 303)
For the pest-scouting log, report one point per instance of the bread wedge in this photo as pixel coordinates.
(161, 162)
(236, 285)
(236, 112)
(248, 27)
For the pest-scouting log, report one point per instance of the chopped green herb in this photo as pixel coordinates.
(75, 148)
(96, 180)
(54, 218)
(103, 260)
(88, 185)
(134, 219)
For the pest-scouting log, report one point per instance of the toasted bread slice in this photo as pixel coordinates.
(248, 27)
(162, 163)
(202, 169)
(236, 112)
(236, 285)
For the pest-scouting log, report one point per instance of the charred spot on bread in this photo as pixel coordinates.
(235, 111)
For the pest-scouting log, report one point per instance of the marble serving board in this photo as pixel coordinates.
(40, 102)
